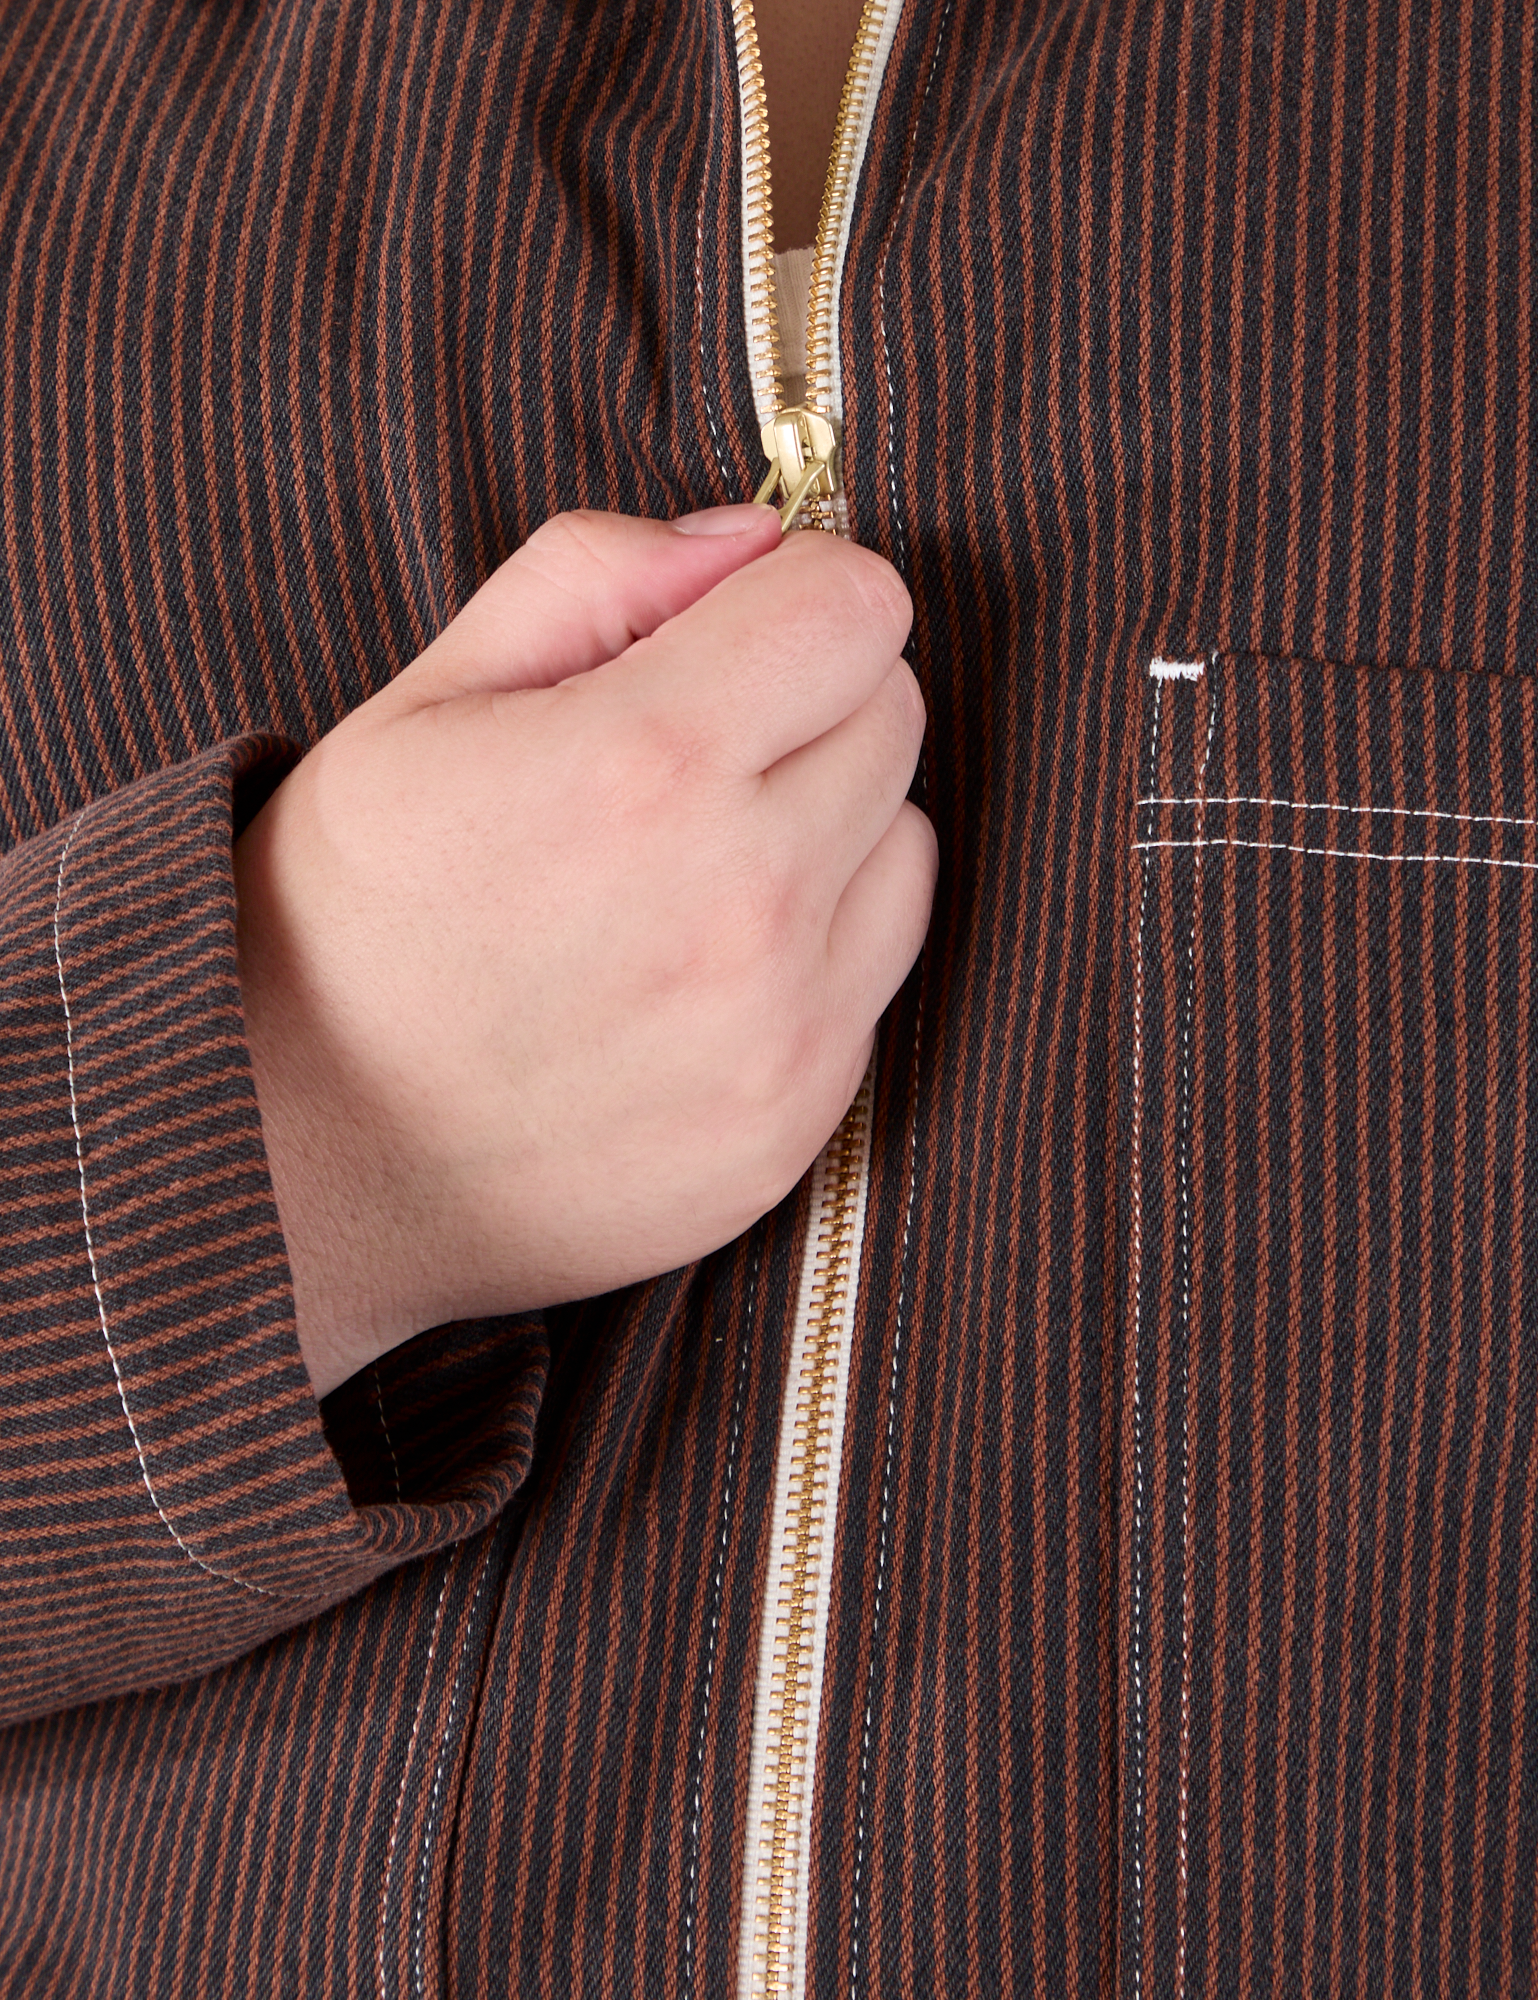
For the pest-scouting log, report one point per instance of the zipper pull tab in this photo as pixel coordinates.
(802, 449)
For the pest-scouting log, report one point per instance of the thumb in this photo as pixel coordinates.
(580, 590)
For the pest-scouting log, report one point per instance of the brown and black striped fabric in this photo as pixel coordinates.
(1181, 1636)
(1330, 1740)
(169, 1498)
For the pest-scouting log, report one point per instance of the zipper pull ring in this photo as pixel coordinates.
(802, 449)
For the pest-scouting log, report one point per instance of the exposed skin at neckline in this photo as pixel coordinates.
(805, 47)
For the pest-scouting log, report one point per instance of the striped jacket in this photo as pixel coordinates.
(1172, 1625)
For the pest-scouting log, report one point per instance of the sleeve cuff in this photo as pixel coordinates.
(185, 1500)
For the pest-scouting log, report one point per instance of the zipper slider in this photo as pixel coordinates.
(802, 449)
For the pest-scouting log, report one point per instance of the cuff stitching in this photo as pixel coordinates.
(90, 1243)
(384, 1426)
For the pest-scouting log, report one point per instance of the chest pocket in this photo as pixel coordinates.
(1329, 1245)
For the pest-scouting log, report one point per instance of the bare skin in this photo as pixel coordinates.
(562, 957)
(805, 47)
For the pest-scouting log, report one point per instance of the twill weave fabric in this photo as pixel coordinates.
(1181, 1637)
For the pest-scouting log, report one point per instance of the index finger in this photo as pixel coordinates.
(777, 654)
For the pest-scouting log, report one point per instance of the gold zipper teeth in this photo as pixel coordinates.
(757, 201)
(815, 500)
(837, 191)
(787, 1777)
(803, 460)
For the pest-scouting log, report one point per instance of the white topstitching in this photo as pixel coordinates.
(90, 1240)
(1335, 805)
(1185, 1374)
(400, 1797)
(1341, 853)
(1137, 1389)
(435, 1800)
(918, 1030)
(728, 1484)
(385, 1427)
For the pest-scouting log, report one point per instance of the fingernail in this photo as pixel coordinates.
(722, 520)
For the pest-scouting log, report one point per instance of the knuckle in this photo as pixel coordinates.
(903, 715)
(878, 586)
(577, 534)
(925, 842)
(754, 914)
(923, 874)
(776, 1074)
(767, 910)
(918, 855)
(907, 690)
(853, 584)
(784, 1165)
(661, 758)
(569, 552)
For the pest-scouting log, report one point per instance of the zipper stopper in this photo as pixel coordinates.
(802, 449)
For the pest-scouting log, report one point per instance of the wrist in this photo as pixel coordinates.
(326, 1161)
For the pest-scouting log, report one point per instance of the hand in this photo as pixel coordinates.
(562, 956)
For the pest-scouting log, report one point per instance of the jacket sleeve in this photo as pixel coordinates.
(169, 1497)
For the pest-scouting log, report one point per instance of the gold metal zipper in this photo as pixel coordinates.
(801, 442)
(802, 448)
(777, 1862)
